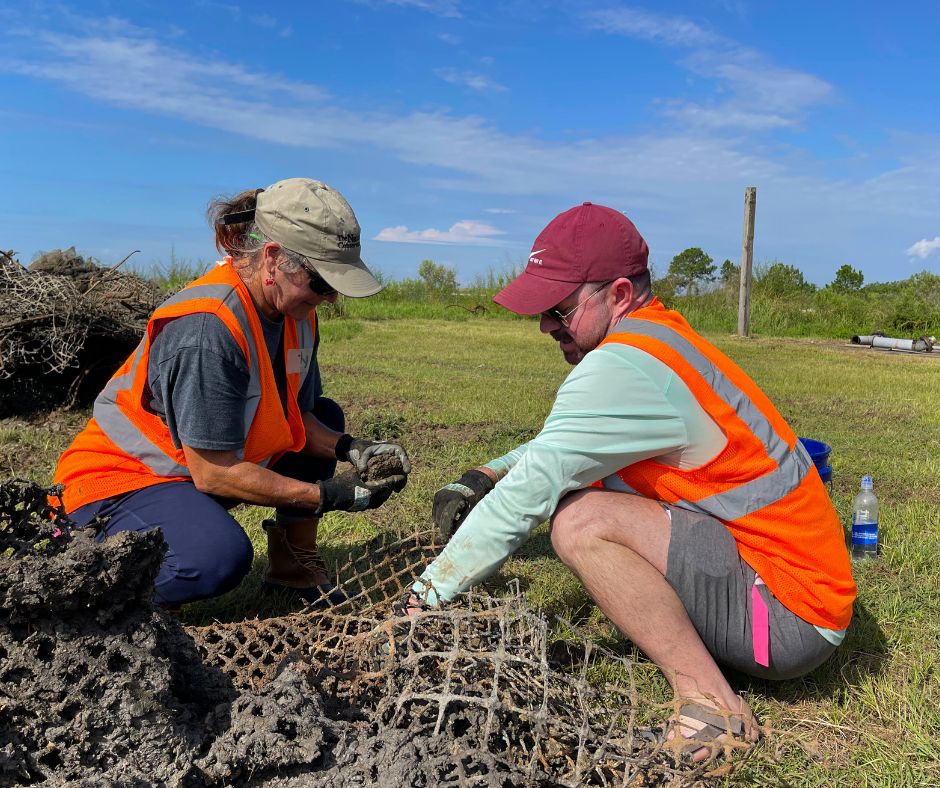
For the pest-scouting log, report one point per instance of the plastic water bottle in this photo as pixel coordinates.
(865, 522)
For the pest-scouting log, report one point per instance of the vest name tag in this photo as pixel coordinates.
(298, 361)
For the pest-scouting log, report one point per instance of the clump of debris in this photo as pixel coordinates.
(97, 686)
(67, 323)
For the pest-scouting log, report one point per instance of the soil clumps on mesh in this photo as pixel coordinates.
(99, 686)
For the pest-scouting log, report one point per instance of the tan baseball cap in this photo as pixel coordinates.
(312, 219)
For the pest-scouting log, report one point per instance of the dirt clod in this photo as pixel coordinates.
(381, 466)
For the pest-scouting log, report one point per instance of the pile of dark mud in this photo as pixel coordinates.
(99, 687)
(66, 323)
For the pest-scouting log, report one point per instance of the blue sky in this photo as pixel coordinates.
(458, 129)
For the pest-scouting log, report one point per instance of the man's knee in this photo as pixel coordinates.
(570, 527)
(589, 520)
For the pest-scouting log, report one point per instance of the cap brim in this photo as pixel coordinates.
(528, 294)
(351, 279)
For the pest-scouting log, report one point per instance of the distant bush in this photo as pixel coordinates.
(175, 274)
(847, 279)
(435, 295)
(691, 271)
(781, 280)
(439, 281)
(783, 304)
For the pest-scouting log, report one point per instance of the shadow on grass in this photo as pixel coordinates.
(864, 654)
(380, 567)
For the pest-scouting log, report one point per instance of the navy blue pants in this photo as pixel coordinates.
(208, 552)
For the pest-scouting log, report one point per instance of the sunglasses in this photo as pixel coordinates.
(562, 317)
(317, 283)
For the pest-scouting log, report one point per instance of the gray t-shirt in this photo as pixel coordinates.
(197, 379)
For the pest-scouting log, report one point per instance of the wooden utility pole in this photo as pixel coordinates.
(747, 261)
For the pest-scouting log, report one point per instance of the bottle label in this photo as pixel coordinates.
(865, 533)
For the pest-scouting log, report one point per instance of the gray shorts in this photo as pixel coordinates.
(714, 583)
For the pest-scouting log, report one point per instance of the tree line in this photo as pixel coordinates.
(692, 272)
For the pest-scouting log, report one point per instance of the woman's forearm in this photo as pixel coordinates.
(223, 474)
(321, 440)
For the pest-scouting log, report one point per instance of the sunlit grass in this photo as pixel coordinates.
(459, 392)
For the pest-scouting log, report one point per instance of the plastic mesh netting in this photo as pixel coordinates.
(479, 675)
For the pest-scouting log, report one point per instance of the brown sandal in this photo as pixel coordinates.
(718, 730)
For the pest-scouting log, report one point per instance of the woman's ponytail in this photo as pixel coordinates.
(233, 239)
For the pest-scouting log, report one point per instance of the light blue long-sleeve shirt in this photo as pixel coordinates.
(619, 405)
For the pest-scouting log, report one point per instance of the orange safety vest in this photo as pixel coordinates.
(762, 485)
(125, 446)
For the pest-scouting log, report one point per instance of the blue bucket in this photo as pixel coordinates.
(819, 453)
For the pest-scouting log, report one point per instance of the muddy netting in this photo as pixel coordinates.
(66, 323)
(98, 686)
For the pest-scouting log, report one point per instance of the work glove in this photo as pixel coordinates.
(348, 493)
(453, 503)
(374, 460)
(408, 604)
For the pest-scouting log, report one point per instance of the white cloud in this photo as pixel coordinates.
(466, 231)
(637, 23)
(132, 70)
(924, 248)
(470, 79)
(449, 38)
(449, 8)
(500, 210)
(755, 94)
(122, 68)
(264, 20)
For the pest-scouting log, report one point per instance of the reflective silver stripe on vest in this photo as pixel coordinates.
(122, 431)
(792, 466)
(119, 428)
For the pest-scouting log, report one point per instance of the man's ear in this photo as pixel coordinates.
(621, 291)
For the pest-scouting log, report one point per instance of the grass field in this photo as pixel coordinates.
(458, 392)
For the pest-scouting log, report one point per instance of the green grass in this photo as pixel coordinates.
(171, 276)
(903, 309)
(459, 392)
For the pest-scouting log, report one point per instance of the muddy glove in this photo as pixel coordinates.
(374, 460)
(453, 503)
(348, 493)
(408, 604)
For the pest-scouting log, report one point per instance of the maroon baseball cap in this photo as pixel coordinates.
(588, 243)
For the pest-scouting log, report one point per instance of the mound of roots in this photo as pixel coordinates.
(67, 324)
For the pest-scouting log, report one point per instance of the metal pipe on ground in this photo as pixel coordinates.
(924, 344)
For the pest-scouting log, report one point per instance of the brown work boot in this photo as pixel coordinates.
(294, 562)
